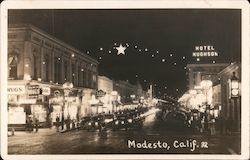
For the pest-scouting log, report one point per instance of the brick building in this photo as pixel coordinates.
(39, 65)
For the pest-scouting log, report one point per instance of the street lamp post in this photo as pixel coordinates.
(206, 84)
(234, 87)
(114, 95)
(67, 86)
(234, 95)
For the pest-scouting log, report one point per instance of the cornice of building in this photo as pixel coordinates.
(234, 65)
(104, 78)
(52, 38)
(207, 65)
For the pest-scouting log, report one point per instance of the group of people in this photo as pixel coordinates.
(70, 124)
(30, 124)
(202, 123)
(198, 122)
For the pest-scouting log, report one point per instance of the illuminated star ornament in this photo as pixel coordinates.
(121, 50)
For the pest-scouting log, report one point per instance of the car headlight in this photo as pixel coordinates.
(122, 122)
(96, 123)
(116, 122)
(89, 123)
(130, 120)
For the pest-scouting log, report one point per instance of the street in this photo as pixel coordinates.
(156, 136)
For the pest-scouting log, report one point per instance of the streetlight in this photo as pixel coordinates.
(67, 86)
(206, 84)
(234, 94)
(114, 95)
(234, 88)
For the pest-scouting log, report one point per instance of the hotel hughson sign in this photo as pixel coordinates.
(205, 51)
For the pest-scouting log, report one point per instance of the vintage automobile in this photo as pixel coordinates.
(120, 122)
(84, 121)
(96, 122)
(135, 122)
(127, 120)
(108, 120)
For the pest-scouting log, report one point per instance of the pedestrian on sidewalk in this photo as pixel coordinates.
(62, 122)
(202, 125)
(68, 121)
(73, 124)
(36, 124)
(31, 125)
(212, 126)
(57, 123)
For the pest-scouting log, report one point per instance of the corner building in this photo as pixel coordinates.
(39, 64)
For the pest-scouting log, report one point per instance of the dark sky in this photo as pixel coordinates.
(169, 31)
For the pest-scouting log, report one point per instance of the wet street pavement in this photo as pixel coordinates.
(155, 136)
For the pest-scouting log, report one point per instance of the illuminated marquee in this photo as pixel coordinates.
(205, 51)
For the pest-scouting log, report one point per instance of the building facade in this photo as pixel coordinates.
(105, 84)
(125, 90)
(230, 106)
(199, 72)
(105, 87)
(39, 65)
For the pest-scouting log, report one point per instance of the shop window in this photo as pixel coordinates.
(90, 79)
(73, 74)
(13, 61)
(79, 76)
(57, 68)
(85, 79)
(83, 76)
(94, 80)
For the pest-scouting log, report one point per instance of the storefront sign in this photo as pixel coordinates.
(33, 90)
(16, 118)
(16, 89)
(56, 100)
(205, 51)
(57, 93)
(27, 101)
(45, 91)
(100, 93)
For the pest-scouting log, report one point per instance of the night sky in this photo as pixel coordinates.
(167, 34)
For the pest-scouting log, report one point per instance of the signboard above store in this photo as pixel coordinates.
(100, 93)
(16, 89)
(33, 90)
(205, 51)
(45, 91)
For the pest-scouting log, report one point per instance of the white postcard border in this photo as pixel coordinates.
(122, 4)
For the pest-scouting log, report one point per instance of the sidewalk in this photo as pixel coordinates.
(41, 131)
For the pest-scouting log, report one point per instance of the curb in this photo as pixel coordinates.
(64, 131)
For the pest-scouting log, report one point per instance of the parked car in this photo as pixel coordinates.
(96, 122)
(108, 120)
(84, 122)
(120, 122)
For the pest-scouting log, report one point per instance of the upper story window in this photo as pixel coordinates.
(47, 68)
(66, 71)
(73, 73)
(13, 62)
(35, 58)
(57, 68)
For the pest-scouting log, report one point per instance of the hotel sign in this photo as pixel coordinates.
(16, 89)
(205, 51)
